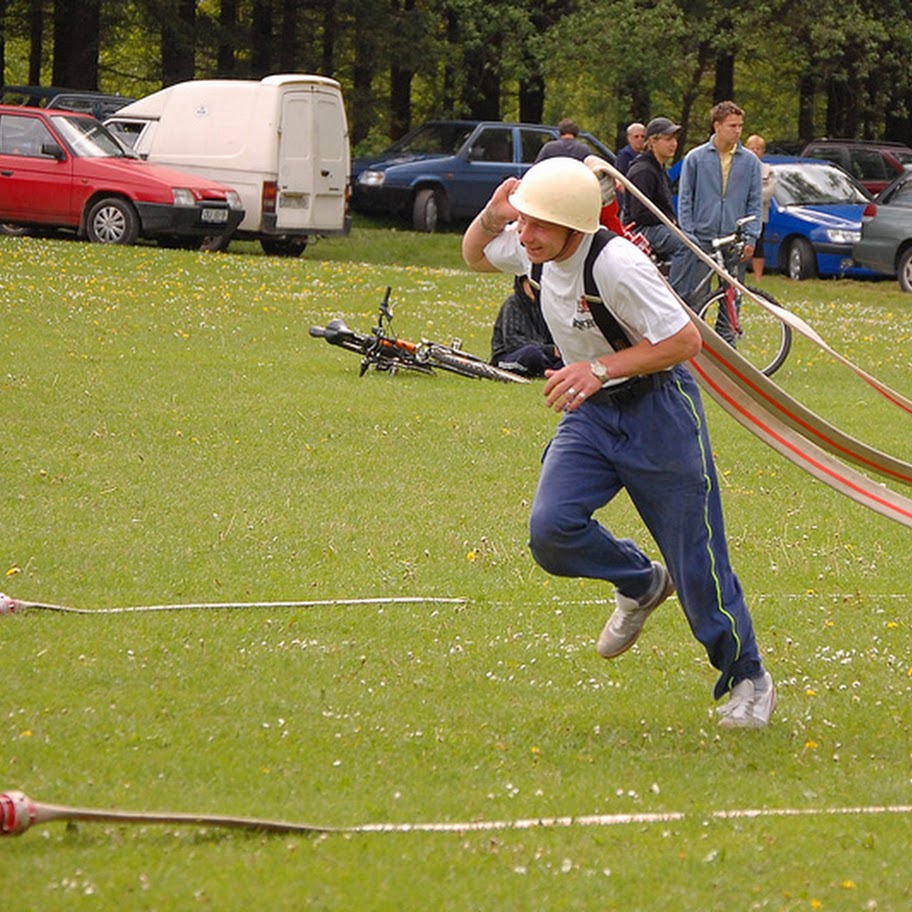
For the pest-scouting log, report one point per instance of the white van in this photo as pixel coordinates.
(281, 142)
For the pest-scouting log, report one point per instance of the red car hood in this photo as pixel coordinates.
(138, 173)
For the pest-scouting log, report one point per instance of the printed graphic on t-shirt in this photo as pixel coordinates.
(583, 319)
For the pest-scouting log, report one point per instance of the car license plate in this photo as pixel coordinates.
(294, 200)
(214, 216)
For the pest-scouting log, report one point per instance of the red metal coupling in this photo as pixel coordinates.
(17, 813)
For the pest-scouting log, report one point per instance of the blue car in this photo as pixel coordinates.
(815, 219)
(447, 169)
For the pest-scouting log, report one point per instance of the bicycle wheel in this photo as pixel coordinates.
(469, 366)
(763, 339)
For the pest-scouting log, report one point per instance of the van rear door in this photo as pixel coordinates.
(313, 162)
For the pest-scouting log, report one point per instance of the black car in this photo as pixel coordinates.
(447, 169)
(83, 101)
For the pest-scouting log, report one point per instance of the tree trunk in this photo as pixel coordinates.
(724, 87)
(532, 99)
(261, 39)
(361, 102)
(481, 88)
(288, 39)
(36, 42)
(328, 51)
(227, 38)
(401, 71)
(807, 85)
(76, 27)
(178, 42)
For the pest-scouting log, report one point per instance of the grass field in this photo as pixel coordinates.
(172, 435)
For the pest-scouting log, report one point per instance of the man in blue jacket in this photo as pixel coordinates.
(720, 183)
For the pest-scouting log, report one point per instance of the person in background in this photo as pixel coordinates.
(568, 143)
(636, 142)
(720, 183)
(649, 175)
(757, 144)
(521, 341)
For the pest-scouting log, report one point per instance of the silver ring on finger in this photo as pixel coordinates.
(571, 391)
(580, 395)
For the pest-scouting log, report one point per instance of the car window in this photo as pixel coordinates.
(827, 153)
(868, 164)
(531, 142)
(88, 138)
(493, 144)
(804, 184)
(902, 195)
(23, 135)
(434, 139)
(126, 131)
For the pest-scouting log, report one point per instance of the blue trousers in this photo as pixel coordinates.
(656, 447)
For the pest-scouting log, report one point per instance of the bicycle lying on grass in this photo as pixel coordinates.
(386, 352)
(757, 333)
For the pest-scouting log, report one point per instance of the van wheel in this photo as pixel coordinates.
(283, 247)
(802, 264)
(112, 221)
(425, 211)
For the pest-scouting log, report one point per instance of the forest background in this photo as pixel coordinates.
(800, 68)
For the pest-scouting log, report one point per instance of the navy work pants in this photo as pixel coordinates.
(657, 447)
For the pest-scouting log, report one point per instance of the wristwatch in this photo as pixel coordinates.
(600, 371)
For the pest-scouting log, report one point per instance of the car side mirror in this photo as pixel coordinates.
(52, 150)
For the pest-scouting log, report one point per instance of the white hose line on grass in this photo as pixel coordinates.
(10, 605)
(19, 813)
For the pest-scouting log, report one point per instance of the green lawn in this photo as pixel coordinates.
(173, 435)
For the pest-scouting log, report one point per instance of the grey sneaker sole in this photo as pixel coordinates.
(612, 644)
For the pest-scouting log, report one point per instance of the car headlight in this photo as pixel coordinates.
(371, 178)
(182, 196)
(234, 199)
(843, 236)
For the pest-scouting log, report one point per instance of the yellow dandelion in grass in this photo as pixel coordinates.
(849, 885)
(811, 745)
(816, 904)
(471, 555)
(811, 692)
(892, 625)
(13, 571)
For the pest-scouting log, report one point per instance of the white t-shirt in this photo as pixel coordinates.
(628, 281)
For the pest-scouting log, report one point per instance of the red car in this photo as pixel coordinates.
(60, 169)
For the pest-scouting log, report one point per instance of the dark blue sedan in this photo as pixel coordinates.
(447, 169)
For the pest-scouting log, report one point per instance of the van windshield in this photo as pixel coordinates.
(87, 138)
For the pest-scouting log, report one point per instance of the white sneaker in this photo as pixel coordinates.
(751, 703)
(625, 624)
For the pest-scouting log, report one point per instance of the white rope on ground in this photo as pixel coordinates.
(19, 813)
(10, 605)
